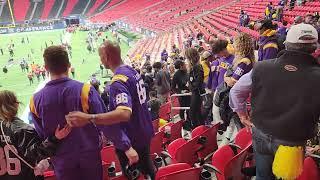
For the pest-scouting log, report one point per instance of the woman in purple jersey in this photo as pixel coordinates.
(21, 138)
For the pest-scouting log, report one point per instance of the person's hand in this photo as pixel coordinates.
(62, 133)
(246, 121)
(132, 156)
(78, 119)
(312, 150)
(230, 82)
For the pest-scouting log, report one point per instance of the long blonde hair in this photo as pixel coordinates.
(8, 105)
(244, 48)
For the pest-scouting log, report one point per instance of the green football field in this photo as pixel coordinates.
(17, 81)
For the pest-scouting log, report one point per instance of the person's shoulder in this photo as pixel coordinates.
(17, 125)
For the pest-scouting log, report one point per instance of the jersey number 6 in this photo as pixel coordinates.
(141, 90)
(9, 165)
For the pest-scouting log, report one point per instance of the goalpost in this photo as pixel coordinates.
(13, 24)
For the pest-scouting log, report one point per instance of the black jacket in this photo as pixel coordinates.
(197, 80)
(25, 139)
(179, 81)
(286, 96)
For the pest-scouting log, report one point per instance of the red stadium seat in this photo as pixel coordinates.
(191, 173)
(175, 131)
(155, 124)
(220, 159)
(243, 138)
(156, 145)
(310, 170)
(174, 146)
(234, 167)
(163, 171)
(108, 155)
(198, 131)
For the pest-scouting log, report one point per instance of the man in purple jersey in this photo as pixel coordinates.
(217, 71)
(79, 154)
(220, 66)
(127, 107)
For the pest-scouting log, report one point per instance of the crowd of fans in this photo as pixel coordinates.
(215, 81)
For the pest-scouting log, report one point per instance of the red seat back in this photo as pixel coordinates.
(198, 131)
(211, 144)
(174, 146)
(243, 138)
(310, 170)
(156, 143)
(191, 173)
(163, 171)
(155, 124)
(165, 110)
(175, 131)
(187, 152)
(234, 166)
(108, 155)
(220, 159)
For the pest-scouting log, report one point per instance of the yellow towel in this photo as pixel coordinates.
(162, 122)
(288, 162)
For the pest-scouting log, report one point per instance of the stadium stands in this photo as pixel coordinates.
(48, 4)
(69, 7)
(222, 22)
(97, 4)
(20, 9)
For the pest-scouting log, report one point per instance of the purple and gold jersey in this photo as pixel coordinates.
(49, 107)
(242, 68)
(217, 70)
(127, 91)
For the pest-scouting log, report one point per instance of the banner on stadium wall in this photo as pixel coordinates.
(31, 29)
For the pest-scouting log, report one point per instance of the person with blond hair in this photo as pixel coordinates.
(242, 64)
(20, 146)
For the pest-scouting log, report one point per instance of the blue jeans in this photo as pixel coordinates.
(264, 150)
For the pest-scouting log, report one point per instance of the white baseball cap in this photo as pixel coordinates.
(302, 33)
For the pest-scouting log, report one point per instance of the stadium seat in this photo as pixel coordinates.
(156, 145)
(243, 138)
(220, 159)
(108, 156)
(191, 173)
(174, 133)
(310, 170)
(171, 168)
(155, 124)
(233, 168)
(198, 131)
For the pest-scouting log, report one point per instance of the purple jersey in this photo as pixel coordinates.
(242, 68)
(49, 107)
(217, 71)
(127, 91)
